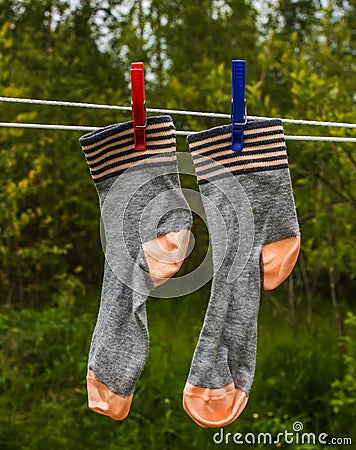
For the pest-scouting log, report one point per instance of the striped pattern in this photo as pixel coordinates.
(264, 149)
(110, 151)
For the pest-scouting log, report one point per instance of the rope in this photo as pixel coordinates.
(290, 137)
(113, 107)
(169, 111)
(311, 122)
(44, 126)
(319, 138)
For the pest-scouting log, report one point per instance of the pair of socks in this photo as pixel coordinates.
(147, 222)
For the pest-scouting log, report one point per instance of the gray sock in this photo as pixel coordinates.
(252, 191)
(146, 221)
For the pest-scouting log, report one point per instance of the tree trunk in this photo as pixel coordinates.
(338, 316)
(291, 302)
(308, 290)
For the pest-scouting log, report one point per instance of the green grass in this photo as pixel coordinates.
(42, 381)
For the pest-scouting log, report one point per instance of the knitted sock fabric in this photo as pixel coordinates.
(252, 191)
(146, 221)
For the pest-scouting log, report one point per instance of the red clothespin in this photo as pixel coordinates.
(138, 105)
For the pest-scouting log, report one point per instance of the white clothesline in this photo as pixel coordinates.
(169, 111)
(165, 111)
(43, 126)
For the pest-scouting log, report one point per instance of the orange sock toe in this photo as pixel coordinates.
(165, 255)
(279, 259)
(211, 408)
(103, 401)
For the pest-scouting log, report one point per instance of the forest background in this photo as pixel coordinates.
(300, 64)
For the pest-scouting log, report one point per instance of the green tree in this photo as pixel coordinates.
(315, 76)
(49, 204)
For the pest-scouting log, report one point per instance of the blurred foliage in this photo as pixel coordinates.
(43, 393)
(344, 389)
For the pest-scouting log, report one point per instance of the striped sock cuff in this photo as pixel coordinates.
(110, 151)
(264, 148)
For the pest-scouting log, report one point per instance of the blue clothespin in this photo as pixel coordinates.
(238, 103)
